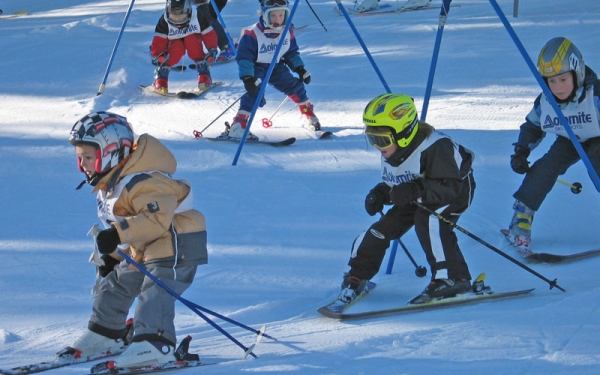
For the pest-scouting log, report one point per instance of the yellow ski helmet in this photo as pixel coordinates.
(559, 56)
(395, 111)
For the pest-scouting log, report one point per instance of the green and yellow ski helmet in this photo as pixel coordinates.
(395, 111)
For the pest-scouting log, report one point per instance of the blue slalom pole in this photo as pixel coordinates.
(263, 86)
(563, 120)
(218, 13)
(436, 50)
(362, 44)
(112, 55)
(191, 306)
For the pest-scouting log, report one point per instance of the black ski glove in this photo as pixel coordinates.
(377, 197)
(303, 74)
(109, 265)
(252, 86)
(518, 160)
(107, 240)
(407, 192)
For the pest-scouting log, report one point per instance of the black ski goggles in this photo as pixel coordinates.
(381, 139)
(274, 3)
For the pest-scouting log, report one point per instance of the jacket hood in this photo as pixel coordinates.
(148, 154)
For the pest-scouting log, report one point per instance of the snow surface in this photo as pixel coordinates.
(281, 221)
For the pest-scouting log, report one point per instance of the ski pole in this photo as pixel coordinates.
(420, 271)
(362, 44)
(315, 13)
(436, 50)
(553, 283)
(575, 186)
(198, 134)
(112, 55)
(266, 123)
(95, 230)
(181, 299)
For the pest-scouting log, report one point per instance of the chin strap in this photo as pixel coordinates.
(91, 180)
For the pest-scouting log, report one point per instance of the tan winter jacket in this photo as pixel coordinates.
(147, 205)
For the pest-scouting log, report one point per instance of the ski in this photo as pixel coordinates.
(556, 258)
(177, 68)
(16, 14)
(222, 61)
(285, 142)
(317, 134)
(169, 366)
(64, 362)
(323, 134)
(465, 299)
(182, 94)
(183, 359)
(337, 307)
(50, 365)
(480, 293)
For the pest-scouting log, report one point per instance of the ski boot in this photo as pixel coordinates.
(520, 228)
(310, 119)
(352, 287)
(161, 79)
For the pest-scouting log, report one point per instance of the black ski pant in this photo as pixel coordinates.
(436, 237)
(542, 175)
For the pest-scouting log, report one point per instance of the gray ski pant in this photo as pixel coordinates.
(155, 308)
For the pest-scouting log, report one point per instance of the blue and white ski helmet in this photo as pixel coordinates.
(268, 6)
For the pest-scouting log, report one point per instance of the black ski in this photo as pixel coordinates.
(480, 293)
(181, 94)
(556, 258)
(285, 142)
(464, 299)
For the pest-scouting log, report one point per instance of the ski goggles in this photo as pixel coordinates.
(381, 139)
(178, 18)
(274, 3)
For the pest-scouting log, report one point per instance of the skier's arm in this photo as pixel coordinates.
(441, 180)
(153, 202)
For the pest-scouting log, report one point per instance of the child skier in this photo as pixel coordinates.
(150, 216)
(205, 7)
(418, 163)
(181, 28)
(255, 53)
(576, 89)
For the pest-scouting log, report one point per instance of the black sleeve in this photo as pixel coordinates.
(530, 134)
(161, 26)
(442, 178)
(220, 4)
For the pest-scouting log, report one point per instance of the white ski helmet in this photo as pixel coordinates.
(268, 6)
(110, 133)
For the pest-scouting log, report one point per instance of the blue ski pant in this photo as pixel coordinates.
(542, 175)
(282, 79)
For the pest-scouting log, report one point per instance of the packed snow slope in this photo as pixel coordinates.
(281, 221)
